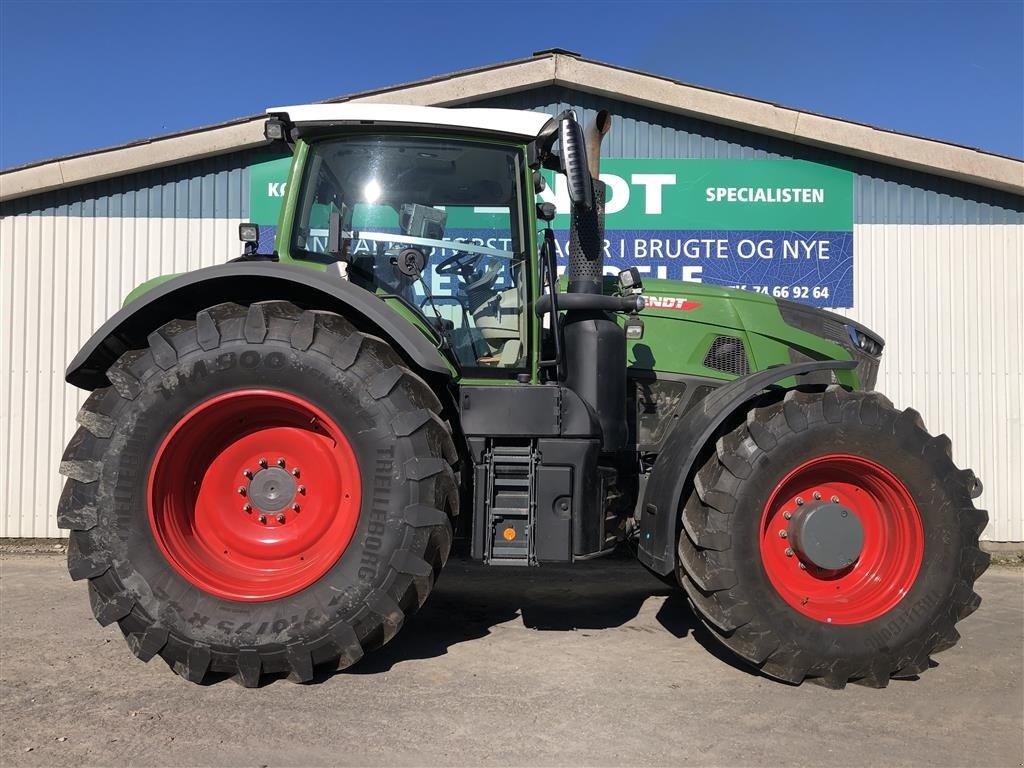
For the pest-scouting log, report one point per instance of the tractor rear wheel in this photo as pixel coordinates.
(830, 537)
(262, 491)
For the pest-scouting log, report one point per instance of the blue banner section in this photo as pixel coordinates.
(267, 236)
(814, 268)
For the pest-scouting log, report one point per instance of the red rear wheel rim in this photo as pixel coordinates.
(254, 495)
(888, 561)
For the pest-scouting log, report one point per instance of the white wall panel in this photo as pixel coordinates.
(948, 300)
(61, 277)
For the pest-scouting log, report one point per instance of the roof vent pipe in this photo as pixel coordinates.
(595, 135)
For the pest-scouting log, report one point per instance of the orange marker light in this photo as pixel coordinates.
(509, 534)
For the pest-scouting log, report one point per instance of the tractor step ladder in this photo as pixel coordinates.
(511, 504)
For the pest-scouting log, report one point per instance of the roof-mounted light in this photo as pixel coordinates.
(275, 129)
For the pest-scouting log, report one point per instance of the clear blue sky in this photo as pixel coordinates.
(84, 75)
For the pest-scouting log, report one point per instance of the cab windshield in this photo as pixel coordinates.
(434, 222)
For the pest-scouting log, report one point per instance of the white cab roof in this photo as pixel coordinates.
(514, 122)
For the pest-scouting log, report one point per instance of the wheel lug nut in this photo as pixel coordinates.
(799, 501)
(789, 552)
(248, 474)
(803, 567)
(817, 495)
(241, 490)
(280, 463)
(280, 519)
(295, 471)
(783, 534)
(263, 518)
(835, 499)
(247, 508)
(302, 489)
(788, 515)
(295, 507)
(263, 463)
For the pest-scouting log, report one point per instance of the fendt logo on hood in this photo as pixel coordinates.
(670, 302)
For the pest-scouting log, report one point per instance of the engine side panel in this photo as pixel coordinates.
(719, 333)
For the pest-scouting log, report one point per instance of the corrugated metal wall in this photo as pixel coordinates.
(939, 272)
(947, 300)
(67, 259)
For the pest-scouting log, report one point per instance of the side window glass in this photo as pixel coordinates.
(433, 222)
(486, 297)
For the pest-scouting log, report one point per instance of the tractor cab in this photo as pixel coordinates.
(433, 221)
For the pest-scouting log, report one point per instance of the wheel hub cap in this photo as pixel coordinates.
(272, 490)
(828, 536)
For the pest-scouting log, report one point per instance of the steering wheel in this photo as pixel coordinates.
(461, 263)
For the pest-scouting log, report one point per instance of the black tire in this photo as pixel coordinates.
(721, 569)
(380, 405)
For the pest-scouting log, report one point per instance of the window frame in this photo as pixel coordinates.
(519, 221)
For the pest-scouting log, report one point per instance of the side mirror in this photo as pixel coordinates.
(574, 161)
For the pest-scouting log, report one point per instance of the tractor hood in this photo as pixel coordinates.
(730, 332)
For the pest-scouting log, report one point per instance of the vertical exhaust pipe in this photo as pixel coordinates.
(586, 230)
(595, 344)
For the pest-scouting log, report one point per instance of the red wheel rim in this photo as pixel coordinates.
(888, 561)
(254, 495)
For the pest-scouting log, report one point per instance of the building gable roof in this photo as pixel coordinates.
(554, 67)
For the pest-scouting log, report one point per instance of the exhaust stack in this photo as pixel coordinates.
(595, 344)
(586, 229)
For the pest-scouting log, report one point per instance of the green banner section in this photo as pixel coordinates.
(756, 195)
(267, 184)
(650, 194)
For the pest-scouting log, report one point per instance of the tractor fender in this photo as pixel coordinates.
(671, 474)
(245, 282)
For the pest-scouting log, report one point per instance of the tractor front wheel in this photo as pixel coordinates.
(262, 491)
(831, 537)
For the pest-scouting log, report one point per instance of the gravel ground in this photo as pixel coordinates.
(599, 664)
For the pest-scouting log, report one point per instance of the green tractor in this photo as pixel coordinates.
(277, 453)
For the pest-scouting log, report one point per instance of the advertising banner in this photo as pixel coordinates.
(780, 227)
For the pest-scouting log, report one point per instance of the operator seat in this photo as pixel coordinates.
(497, 316)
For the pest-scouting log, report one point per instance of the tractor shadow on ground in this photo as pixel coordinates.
(471, 599)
